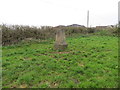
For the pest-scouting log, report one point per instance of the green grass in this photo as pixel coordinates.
(88, 62)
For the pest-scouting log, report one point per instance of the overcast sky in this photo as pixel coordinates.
(58, 12)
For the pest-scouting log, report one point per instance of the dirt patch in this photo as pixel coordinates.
(81, 64)
(54, 85)
(60, 52)
(23, 86)
(27, 58)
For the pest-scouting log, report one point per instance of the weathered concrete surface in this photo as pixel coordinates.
(60, 43)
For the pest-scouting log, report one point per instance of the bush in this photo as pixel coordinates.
(14, 34)
(91, 30)
(116, 31)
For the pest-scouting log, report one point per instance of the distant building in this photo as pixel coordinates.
(60, 26)
(112, 26)
(75, 25)
(101, 27)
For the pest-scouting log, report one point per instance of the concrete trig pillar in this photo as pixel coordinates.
(60, 43)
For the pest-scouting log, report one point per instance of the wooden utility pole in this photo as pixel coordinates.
(119, 14)
(87, 18)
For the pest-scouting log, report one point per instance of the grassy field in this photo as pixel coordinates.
(89, 61)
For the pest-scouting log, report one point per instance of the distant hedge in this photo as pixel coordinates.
(13, 34)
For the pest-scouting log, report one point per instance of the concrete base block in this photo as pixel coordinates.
(60, 46)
